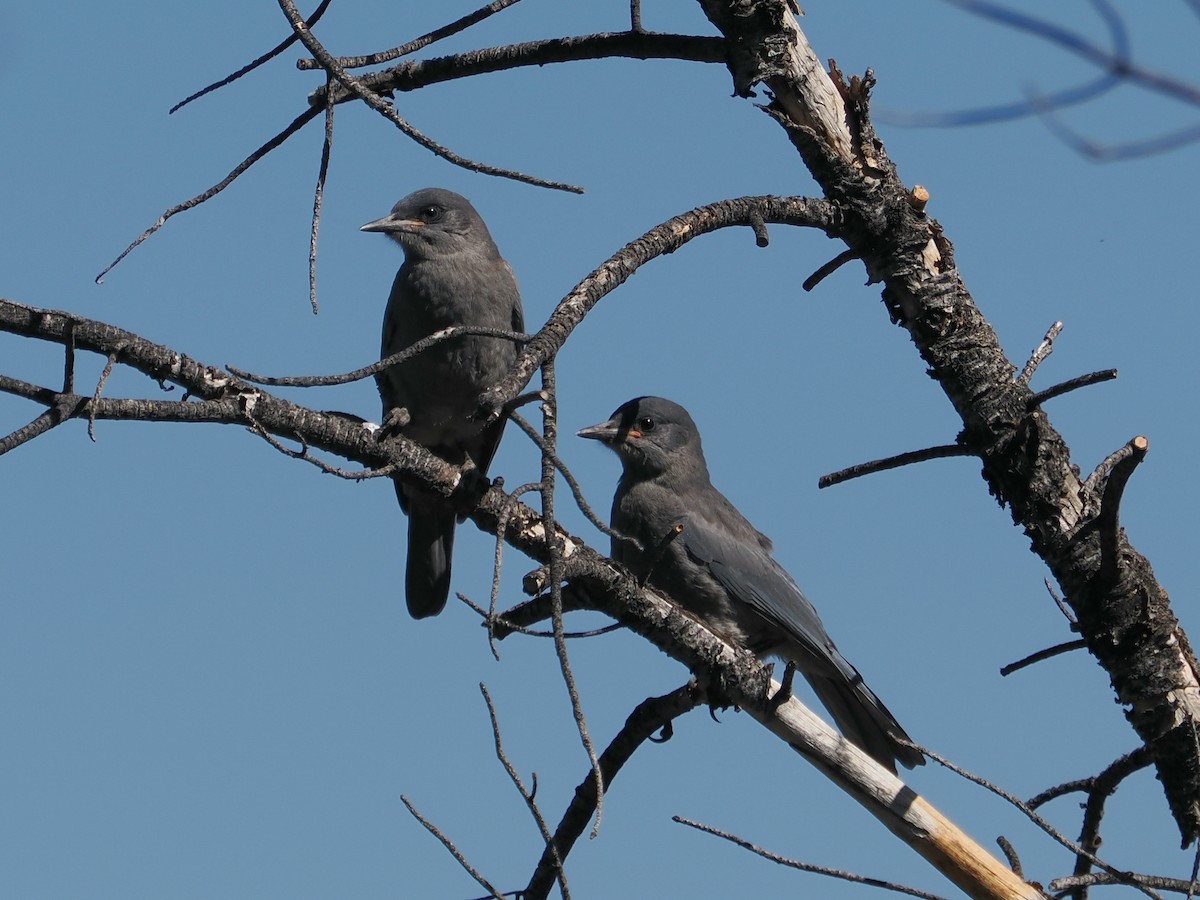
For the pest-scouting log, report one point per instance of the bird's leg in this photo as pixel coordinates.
(784, 694)
(395, 420)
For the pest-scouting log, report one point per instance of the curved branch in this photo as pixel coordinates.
(650, 716)
(414, 74)
(659, 241)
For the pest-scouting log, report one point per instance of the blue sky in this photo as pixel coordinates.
(208, 682)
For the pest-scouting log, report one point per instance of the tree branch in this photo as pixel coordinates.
(659, 241)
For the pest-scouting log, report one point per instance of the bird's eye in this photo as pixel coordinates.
(429, 213)
(645, 423)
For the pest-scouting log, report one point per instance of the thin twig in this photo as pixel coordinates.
(388, 110)
(318, 194)
(108, 367)
(651, 715)
(525, 794)
(1029, 814)
(572, 483)
(250, 67)
(806, 867)
(511, 627)
(1073, 385)
(1040, 352)
(387, 362)
(658, 241)
(357, 62)
(1048, 653)
(454, 851)
(1067, 612)
(554, 549)
(894, 462)
(303, 455)
(829, 268)
(660, 551)
(296, 124)
(1145, 882)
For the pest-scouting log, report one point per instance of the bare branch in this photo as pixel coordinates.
(388, 111)
(551, 848)
(659, 241)
(251, 66)
(454, 851)
(806, 867)
(650, 716)
(1037, 820)
(415, 74)
(438, 34)
(1067, 386)
(387, 362)
(1048, 653)
(945, 451)
(555, 565)
(1040, 352)
(296, 124)
(318, 194)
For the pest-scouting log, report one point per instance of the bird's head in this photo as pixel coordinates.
(652, 436)
(435, 222)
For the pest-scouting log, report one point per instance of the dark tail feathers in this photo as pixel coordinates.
(430, 545)
(865, 721)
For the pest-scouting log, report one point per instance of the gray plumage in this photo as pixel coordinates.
(452, 275)
(720, 568)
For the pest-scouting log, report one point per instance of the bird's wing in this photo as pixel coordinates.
(750, 575)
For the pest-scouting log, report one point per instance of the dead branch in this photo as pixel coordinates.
(659, 241)
(806, 867)
(651, 715)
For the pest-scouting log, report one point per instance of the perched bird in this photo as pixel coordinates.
(720, 569)
(452, 275)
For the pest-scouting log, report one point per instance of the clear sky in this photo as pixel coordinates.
(209, 686)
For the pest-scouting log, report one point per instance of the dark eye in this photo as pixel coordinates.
(645, 423)
(429, 213)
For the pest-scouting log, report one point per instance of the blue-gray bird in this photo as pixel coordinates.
(452, 275)
(720, 569)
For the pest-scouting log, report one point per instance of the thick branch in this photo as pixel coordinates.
(228, 400)
(1129, 627)
(415, 74)
(723, 671)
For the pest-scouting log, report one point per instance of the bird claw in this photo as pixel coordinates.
(665, 734)
(396, 418)
(784, 694)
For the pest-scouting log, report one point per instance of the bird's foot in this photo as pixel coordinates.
(784, 694)
(393, 422)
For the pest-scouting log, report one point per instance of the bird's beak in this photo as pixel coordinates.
(609, 432)
(389, 225)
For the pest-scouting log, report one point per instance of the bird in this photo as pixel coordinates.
(720, 569)
(453, 274)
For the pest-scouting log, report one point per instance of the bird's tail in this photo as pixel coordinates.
(864, 720)
(430, 545)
